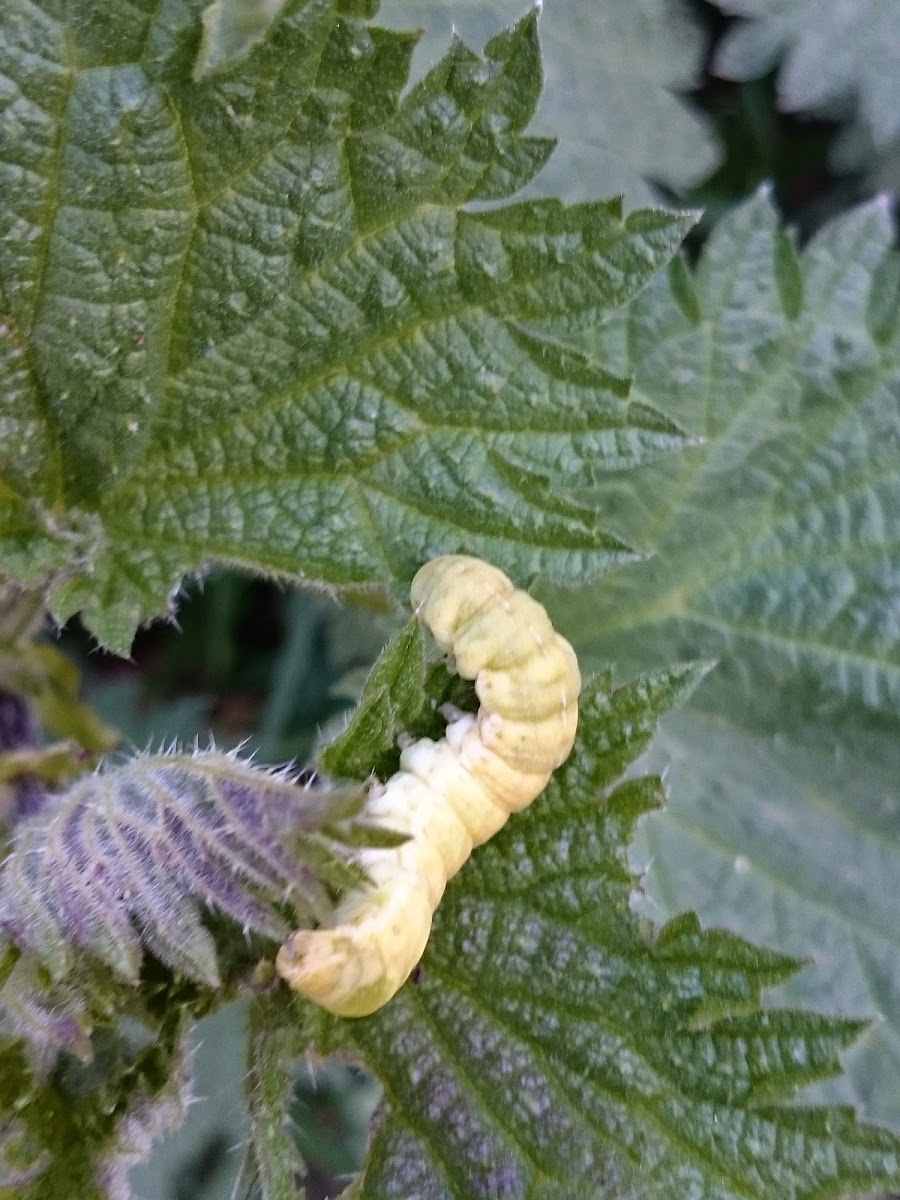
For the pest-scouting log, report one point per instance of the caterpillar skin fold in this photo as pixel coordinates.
(451, 795)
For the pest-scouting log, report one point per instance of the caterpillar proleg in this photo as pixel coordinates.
(451, 795)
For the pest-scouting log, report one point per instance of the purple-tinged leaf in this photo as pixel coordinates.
(136, 854)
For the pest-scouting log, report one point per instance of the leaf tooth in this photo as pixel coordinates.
(183, 943)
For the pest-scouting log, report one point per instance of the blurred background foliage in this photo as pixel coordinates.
(683, 101)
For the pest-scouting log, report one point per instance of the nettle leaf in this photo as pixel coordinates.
(614, 73)
(792, 836)
(404, 691)
(553, 1044)
(777, 552)
(833, 52)
(247, 317)
(126, 859)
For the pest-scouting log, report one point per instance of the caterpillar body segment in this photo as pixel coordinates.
(451, 795)
(354, 968)
(477, 808)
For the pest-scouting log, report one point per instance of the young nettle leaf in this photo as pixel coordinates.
(127, 857)
(554, 1044)
(246, 316)
(403, 692)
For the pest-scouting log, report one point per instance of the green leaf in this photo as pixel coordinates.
(614, 77)
(555, 1045)
(831, 51)
(614, 74)
(403, 691)
(246, 317)
(793, 837)
(392, 697)
(777, 552)
(778, 536)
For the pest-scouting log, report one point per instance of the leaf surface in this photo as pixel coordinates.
(246, 315)
(552, 1044)
(793, 838)
(778, 552)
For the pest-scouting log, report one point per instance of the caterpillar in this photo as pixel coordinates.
(451, 795)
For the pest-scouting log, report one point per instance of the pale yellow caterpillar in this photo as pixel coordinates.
(448, 796)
